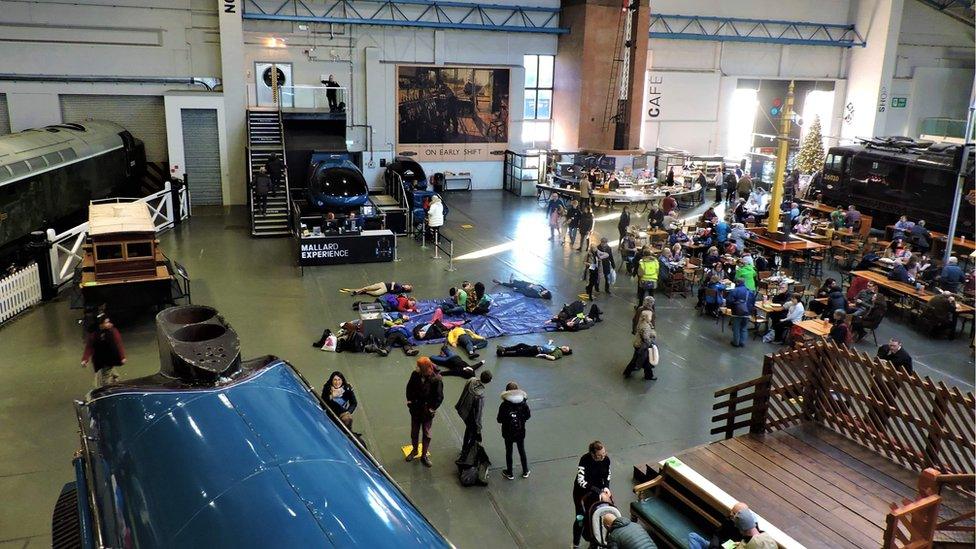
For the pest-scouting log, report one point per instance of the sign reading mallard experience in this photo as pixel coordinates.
(452, 113)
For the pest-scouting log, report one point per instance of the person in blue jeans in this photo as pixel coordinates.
(739, 301)
(526, 288)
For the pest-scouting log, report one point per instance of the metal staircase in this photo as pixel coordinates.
(265, 136)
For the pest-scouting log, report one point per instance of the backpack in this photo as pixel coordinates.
(513, 425)
(740, 307)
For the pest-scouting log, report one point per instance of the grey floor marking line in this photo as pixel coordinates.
(512, 531)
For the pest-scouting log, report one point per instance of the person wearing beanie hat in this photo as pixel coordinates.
(425, 392)
(746, 525)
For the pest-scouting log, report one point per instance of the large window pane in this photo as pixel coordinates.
(543, 109)
(531, 63)
(529, 104)
(545, 70)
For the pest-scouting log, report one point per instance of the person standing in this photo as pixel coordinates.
(104, 349)
(744, 186)
(340, 398)
(703, 183)
(648, 270)
(921, 237)
(719, 184)
(262, 186)
(331, 93)
(425, 392)
(594, 265)
(585, 226)
(623, 223)
(513, 413)
(584, 189)
(593, 479)
(555, 222)
(276, 169)
(739, 301)
(573, 221)
(435, 217)
(730, 182)
(669, 204)
(607, 264)
(469, 406)
(645, 351)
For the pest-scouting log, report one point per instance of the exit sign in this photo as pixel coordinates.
(899, 102)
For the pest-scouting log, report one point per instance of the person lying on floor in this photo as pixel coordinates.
(399, 336)
(451, 364)
(379, 288)
(526, 288)
(470, 341)
(393, 303)
(436, 328)
(578, 322)
(547, 351)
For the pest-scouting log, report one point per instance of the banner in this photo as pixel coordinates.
(452, 113)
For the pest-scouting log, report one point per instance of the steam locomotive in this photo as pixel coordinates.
(49, 175)
(890, 177)
(215, 451)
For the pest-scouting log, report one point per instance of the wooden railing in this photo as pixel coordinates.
(912, 526)
(919, 523)
(913, 421)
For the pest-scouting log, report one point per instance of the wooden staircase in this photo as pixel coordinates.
(265, 136)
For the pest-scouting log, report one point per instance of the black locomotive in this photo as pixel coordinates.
(49, 175)
(890, 177)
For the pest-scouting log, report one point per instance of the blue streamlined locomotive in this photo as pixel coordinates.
(335, 183)
(216, 452)
(49, 175)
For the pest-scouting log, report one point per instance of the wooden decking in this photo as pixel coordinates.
(813, 484)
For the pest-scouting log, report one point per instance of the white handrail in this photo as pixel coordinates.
(19, 291)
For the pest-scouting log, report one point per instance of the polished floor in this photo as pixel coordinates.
(278, 310)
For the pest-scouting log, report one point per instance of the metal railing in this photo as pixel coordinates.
(314, 97)
(66, 248)
(438, 238)
(19, 291)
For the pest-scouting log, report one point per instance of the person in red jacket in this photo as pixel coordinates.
(104, 349)
(669, 203)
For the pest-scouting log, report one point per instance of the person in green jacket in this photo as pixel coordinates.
(647, 273)
(747, 272)
(622, 533)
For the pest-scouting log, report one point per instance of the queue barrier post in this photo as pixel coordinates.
(396, 249)
(423, 236)
(437, 244)
(450, 266)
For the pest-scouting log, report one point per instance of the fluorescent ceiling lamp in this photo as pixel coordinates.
(742, 120)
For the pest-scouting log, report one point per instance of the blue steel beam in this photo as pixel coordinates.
(960, 10)
(410, 13)
(769, 31)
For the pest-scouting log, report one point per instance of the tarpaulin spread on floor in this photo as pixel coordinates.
(510, 314)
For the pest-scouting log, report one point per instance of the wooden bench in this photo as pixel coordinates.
(679, 501)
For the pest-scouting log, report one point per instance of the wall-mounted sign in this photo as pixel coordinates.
(882, 99)
(899, 102)
(367, 247)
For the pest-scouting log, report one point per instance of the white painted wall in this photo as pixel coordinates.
(366, 65)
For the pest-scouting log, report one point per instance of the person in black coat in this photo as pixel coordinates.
(276, 170)
(425, 392)
(622, 224)
(585, 226)
(593, 479)
(835, 300)
(896, 354)
(513, 413)
(607, 265)
(340, 398)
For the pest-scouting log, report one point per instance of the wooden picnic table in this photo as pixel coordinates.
(866, 220)
(817, 328)
(939, 241)
(793, 244)
(910, 292)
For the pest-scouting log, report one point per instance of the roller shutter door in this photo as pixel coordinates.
(142, 115)
(4, 115)
(201, 153)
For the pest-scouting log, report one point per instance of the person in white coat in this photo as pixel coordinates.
(435, 216)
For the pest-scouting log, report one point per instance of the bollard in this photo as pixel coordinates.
(396, 249)
(437, 244)
(450, 267)
(423, 236)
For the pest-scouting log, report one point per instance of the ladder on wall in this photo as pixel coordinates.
(612, 105)
(265, 136)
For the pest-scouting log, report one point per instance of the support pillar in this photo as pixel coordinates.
(872, 67)
(235, 96)
(587, 78)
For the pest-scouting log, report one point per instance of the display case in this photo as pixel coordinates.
(523, 171)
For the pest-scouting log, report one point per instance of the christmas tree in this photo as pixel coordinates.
(811, 155)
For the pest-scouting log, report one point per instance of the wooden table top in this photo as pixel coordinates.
(819, 328)
(967, 244)
(906, 289)
(796, 244)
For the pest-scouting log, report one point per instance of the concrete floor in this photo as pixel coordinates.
(277, 310)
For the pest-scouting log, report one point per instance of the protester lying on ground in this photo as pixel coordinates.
(549, 351)
(399, 336)
(450, 363)
(393, 303)
(436, 328)
(577, 322)
(526, 288)
(466, 339)
(379, 288)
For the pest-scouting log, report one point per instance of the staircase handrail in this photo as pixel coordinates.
(284, 175)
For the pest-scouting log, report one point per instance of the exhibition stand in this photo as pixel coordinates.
(321, 239)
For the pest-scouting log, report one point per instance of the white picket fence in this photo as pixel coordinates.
(66, 248)
(19, 291)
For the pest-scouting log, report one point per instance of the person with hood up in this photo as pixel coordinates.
(340, 398)
(425, 393)
(624, 534)
(435, 216)
(513, 413)
(747, 272)
(646, 305)
(469, 407)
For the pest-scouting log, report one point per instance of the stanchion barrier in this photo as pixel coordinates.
(437, 244)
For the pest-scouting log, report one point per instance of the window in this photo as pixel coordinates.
(138, 249)
(108, 252)
(537, 110)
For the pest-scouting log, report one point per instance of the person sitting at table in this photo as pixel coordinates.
(835, 299)
(666, 265)
(902, 228)
(710, 304)
(823, 291)
(939, 314)
(670, 222)
(759, 261)
(803, 226)
(709, 216)
(899, 273)
(739, 213)
(922, 269)
(781, 297)
(852, 219)
(655, 218)
(951, 276)
(894, 353)
(526, 288)
(679, 236)
(711, 257)
(794, 315)
(870, 258)
(921, 237)
(739, 235)
(837, 217)
(840, 332)
(794, 214)
(677, 253)
(721, 232)
(872, 318)
(703, 236)
(864, 300)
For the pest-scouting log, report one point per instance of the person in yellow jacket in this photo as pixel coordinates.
(463, 337)
(647, 273)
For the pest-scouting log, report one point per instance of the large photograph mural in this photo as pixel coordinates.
(452, 113)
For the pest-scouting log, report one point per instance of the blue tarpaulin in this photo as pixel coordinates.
(510, 314)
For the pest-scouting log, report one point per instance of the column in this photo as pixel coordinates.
(235, 97)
